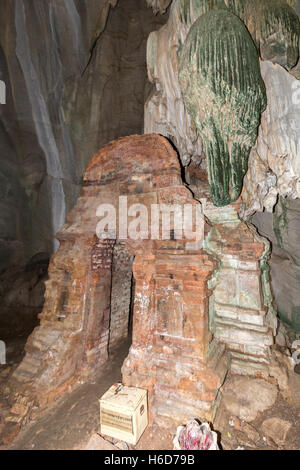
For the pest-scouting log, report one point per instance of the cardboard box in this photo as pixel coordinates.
(124, 413)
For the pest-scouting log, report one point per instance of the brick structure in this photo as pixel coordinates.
(88, 296)
(173, 354)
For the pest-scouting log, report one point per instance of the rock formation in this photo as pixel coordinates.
(159, 5)
(225, 101)
(242, 315)
(273, 163)
(274, 27)
(272, 186)
(282, 229)
(229, 103)
(165, 112)
(274, 168)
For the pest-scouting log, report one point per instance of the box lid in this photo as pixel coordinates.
(127, 398)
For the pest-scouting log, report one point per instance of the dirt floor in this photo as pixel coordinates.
(236, 434)
(71, 422)
(75, 418)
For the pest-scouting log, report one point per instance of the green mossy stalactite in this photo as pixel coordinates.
(223, 91)
(274, 26)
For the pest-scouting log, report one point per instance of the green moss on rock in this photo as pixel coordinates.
(223, 91)
(274, 26)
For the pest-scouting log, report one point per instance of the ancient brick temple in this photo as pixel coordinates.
(169, 281)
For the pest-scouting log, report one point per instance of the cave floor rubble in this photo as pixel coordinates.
(72, 423)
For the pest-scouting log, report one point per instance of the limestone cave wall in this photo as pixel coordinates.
(71, 88)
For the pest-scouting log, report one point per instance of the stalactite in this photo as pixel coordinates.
(223, 91)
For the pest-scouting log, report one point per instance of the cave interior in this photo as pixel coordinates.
(150, 219)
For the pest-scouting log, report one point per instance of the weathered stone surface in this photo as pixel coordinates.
(282, 229)
(165, 112)
(159, 5)
(170, 354)
(273, 167)
(251, 432)
(274, 162)
(22, 291)
(12, 430)
(277, 429)
(280, 369)
(247, 397)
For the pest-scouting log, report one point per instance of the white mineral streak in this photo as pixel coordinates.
(164, 110)
(42, 121)
(274, 164)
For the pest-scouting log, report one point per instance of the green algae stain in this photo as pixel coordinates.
(280, 221)
(274, 26)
